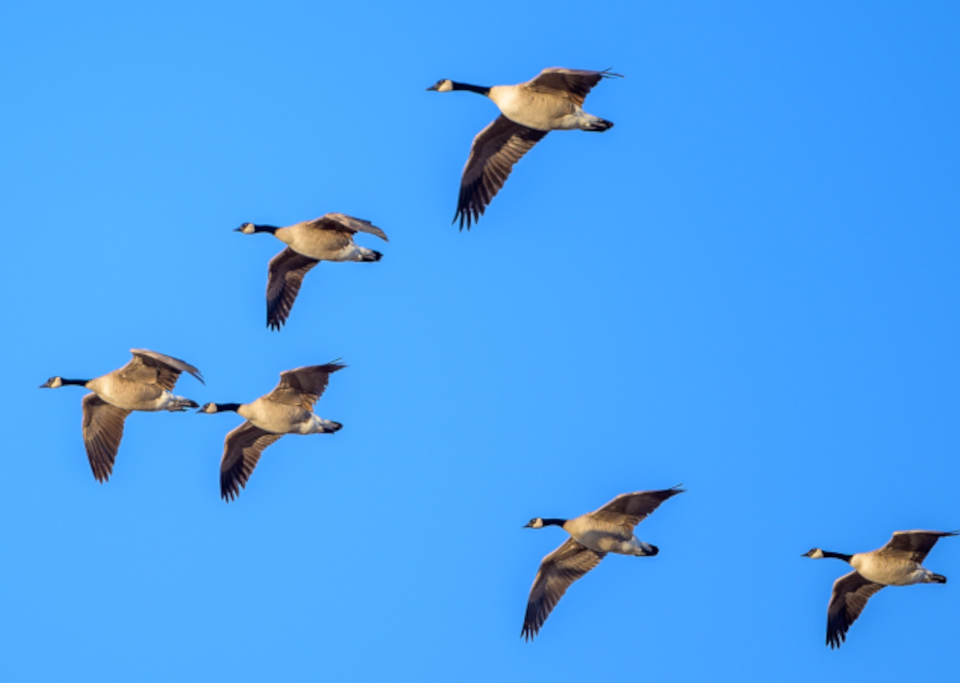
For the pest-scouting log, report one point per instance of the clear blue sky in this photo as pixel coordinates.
(749, 286)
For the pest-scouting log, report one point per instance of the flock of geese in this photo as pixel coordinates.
(553, 100)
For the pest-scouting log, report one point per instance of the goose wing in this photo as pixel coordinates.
(241, 451)
(849, 597)
(557, 571)
(102, 431)
(913, 545)
(303, 386)
(574, 84)
(340, 222)
(150, 367)
(284, 277)
(629, 509)
(494, 152)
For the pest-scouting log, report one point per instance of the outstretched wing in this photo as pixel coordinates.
(494, 152)
(574, 84)
(557, 571)
(102, 432)
(150, 367)
(913, 545)
(284, 277)
(629, 509)
(343, 223)
(303, 386)
(241, 452)
(850, 594)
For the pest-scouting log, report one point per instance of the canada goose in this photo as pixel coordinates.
(145, 383)
(552, 100)
(328, 238)
(592, 536)
(895, 564)
(288, 409)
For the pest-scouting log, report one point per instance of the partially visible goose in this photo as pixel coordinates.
(898, 563)
(288, 409)
(145, 383)
(553, 100)
(592, 536)
(328, 238)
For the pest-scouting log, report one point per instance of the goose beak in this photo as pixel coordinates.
(240, 229)
(432, 87)
(526, 526)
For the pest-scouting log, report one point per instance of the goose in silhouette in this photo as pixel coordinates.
(328, 238)
(553, 100)
(898, 563)
(145, 383)
(592, 536)
(288, 409)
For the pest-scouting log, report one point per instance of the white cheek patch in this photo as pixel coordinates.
(446, 86)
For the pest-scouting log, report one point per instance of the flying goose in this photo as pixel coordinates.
(145, 383)
(898, 563)
(328, 238)
(288, 409)
(592, 536)
(552, 100)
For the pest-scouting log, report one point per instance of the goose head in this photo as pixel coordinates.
(443, 85)
(246, 229)
(814, 554)
(52, 383)
(535, 523)
(209, 408)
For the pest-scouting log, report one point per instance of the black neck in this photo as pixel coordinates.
(74, 382)
(471, 88)
(839, 556)
(265, 228)
(554, 522)
(228, 406)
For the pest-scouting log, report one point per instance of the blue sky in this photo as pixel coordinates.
(749, 286)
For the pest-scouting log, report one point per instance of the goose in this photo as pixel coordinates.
(592, 536)
(553, 100)
(145, 383)
(898, 563)
(288, 409)
(328, 238)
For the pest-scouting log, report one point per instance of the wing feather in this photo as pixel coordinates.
(557, 571)
(284, 277)
(303, 386)
(574, 84)
(850, 594)
(343, 223)
(629, 509)
(150, 367)
(492, 155)
(102, 432)
(241, 452)
(913, 545)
